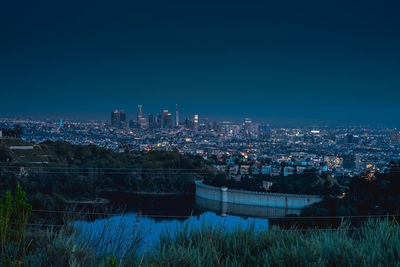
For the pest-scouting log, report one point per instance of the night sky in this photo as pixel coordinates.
(284, 62)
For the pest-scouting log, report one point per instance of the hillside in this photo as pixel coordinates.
(54, 173)
(66, 154)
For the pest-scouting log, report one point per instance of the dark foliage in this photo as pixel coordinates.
(78, 173)
(367, 194)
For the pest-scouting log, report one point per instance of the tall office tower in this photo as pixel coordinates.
(159, 121)
(169, 120)
(151, 121)
(115, 118)
(165, 118)
(139, 113)
(122, 119)
(176, 116)
(132, 124)
(122, 116)
(248, 126)
(143, 123)
(187, 123)
(196, 122)
(215, 126)
(256, 129)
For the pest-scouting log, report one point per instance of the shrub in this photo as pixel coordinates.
(14, 215)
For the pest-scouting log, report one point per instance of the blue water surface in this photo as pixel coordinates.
(129, 224)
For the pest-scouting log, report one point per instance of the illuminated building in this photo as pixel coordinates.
(248, 127)
(122, 119)
(152, 122)
(115, 118)
(176, 116)
(118, 118)
(159, 121)
(139, 114)
(333, 162)
(165, 118)
(169, 120)
(187, 123)
(196, 122)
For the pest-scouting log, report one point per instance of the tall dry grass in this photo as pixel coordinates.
(375, 243)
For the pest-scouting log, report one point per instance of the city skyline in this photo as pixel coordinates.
(132, 115)
(287, 63)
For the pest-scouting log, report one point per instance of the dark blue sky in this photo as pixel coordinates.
(278, 61)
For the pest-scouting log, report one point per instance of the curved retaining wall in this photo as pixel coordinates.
(277, 200)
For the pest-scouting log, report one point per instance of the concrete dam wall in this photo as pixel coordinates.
(241, 197)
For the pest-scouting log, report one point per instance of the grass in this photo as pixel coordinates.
(376, 243)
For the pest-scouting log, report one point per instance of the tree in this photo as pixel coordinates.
(14, 215)
(18, 131)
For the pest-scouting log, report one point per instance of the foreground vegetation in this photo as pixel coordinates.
(82, 173)
(374, 243)
(364, 195)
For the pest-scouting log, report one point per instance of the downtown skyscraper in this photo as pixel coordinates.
(176, 116)
(118, 118)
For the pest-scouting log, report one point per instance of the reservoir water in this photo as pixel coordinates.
(151, 215)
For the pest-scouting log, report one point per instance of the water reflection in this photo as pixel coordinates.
(224, 209)
(155, 214)
(122, 225)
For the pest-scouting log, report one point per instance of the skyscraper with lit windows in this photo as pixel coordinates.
(165, 118)
(196, 122)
